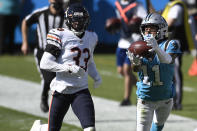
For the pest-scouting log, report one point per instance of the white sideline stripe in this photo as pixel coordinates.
(24, 96)
(188, 89)
(115, 75)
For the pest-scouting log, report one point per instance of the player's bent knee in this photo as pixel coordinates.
(90, 129)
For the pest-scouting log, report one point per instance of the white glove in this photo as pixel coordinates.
(135, 60)
(163, 56)
(152, 42)
(75, 70)
(97, 82)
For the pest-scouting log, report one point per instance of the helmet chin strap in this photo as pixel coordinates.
(77, 33)
(157, 36)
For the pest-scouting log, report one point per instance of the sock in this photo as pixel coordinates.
(156, 127)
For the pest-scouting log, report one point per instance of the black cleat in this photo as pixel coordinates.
(177, 107)
(125, 102)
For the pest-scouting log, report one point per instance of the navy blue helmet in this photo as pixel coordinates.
(77, 18)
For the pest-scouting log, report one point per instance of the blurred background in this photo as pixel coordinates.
(99, 11)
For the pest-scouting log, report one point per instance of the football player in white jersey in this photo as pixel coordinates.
(69, 53)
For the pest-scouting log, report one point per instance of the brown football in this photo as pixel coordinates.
(112, 25)
(140, 48)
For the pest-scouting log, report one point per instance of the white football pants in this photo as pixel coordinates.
(158, 111)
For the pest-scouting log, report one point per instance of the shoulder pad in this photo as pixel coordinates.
(175, 44)
(53, 37)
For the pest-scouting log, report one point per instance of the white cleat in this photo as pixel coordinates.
(36, 126)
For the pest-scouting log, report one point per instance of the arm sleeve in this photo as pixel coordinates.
(92, 71)
(53, 43)
(52, 52)
(163, 56)
(48, 62)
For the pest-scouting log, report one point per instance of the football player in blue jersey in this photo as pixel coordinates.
(155, 85)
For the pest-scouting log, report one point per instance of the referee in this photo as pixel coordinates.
(46, 18)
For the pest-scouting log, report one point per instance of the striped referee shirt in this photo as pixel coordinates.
(45, 21)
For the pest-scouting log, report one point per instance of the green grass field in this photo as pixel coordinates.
(24, 67)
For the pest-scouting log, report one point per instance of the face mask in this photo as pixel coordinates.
(57, 5)
(148, 36)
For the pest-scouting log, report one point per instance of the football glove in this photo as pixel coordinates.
(152, 42)
(135, 60)
(75, 70)
(163, 56)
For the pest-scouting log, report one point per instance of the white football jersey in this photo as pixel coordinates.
(74, 51)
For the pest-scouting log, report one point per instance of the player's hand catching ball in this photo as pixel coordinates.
(135, 60)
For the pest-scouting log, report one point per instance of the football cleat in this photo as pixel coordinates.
(125, 102)
(44, 104)
(36, 126)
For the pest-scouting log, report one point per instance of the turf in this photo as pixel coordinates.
(24, 67)
(11, 120)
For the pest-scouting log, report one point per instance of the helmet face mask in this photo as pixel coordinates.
(77, 18)
(150, 29)
(156, 20)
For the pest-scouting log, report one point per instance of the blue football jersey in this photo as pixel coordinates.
(156, 79)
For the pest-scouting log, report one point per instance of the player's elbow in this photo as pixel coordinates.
(43, 64)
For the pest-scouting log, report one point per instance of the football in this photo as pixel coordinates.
(112, 25)
(140, 48)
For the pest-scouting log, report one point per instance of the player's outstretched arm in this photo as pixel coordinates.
(48, 62)
(93, 73)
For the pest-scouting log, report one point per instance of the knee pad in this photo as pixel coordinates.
(89, 129)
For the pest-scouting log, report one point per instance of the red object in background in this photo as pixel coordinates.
(193, 68)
